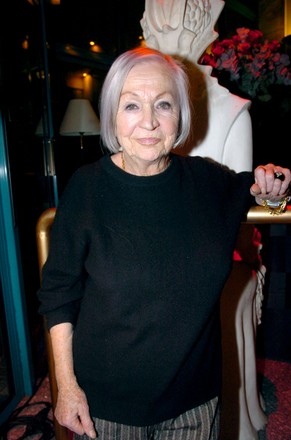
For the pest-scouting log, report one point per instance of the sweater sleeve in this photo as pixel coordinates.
(228, 193)
(233, 187)
(63, 273)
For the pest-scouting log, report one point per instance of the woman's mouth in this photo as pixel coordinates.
(148, 141)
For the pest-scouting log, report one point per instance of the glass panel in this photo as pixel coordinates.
(6, 381)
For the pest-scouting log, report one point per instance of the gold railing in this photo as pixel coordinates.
(258, 214)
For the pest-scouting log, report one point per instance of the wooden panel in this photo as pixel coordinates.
(271, 19)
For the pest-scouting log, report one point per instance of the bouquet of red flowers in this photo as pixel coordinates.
(252, 63)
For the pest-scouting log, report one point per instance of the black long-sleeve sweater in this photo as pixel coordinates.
(137, 264)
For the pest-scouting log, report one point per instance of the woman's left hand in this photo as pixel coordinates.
(272, 183)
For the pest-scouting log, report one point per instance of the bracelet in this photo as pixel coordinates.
(275, 208)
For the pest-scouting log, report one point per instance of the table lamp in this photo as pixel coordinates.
(80, 120)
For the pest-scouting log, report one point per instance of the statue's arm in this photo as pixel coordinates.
(238, 149)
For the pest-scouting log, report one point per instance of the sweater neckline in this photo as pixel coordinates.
(131, 179)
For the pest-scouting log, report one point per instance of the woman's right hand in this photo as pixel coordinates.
(72, 410)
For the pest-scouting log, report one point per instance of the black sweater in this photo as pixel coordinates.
(137, 264)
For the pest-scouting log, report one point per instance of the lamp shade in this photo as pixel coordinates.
(42, 127)
(39, 129)
(80, 119)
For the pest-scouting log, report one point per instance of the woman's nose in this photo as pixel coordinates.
(149, 119)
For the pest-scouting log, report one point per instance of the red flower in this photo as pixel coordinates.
(252, 62)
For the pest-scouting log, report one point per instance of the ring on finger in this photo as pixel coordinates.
(279, 175)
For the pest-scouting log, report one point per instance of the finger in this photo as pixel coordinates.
(255, 190)
(281, 181)
(78, 427)
(272, 184)
(87, 424)
(279, 175)
(261, 179)
(89, 430)
(285, 183)
(75, 426)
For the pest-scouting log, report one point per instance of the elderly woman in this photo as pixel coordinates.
(131, 289)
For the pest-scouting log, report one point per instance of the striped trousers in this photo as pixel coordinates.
(201, 423)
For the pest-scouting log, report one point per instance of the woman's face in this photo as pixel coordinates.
(148, 113)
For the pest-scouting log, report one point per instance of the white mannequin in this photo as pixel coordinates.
(223, 132)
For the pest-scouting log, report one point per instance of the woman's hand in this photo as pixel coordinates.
(269, 187)
(72, 410)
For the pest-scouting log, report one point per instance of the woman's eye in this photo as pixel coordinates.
(164, 105)
(130, 107)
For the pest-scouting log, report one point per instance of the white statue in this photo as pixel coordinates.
(185, 28)
(222, 131)
(180, 27)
